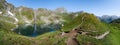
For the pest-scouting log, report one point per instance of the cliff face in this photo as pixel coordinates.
(23, 17)
(4, 5)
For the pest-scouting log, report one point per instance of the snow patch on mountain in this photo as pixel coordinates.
(13, 16)
(10, 13)
(0, 12)
(45, 19)
(16, 20)
(27, 20)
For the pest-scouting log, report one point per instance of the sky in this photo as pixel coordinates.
(97, 7)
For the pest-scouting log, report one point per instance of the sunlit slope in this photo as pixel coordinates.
(87, 22)
(10, 38)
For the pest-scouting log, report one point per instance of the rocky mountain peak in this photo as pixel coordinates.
(4, 5)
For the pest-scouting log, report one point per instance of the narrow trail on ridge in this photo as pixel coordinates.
(103, 35)
(72, 35)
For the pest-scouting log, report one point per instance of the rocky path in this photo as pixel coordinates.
(72, 35)
(72, 41)
(72, 38)
(103, 35)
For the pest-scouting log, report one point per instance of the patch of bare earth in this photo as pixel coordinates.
(73, 34)
(72, 37)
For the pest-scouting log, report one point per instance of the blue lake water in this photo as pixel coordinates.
(52, 30)
(35, 34)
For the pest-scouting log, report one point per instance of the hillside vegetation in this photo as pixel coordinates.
(56, 27)
(95, 28)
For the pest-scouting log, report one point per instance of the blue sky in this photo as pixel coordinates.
(98, 7)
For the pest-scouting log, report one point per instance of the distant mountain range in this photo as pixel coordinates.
(107, 18)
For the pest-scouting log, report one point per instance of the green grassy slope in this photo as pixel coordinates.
(88, 23)
(10, 38)
(52, 38)
(6, 23)
(114, 37)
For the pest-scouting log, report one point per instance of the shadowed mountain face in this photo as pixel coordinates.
(108, 19)
(116, 21)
